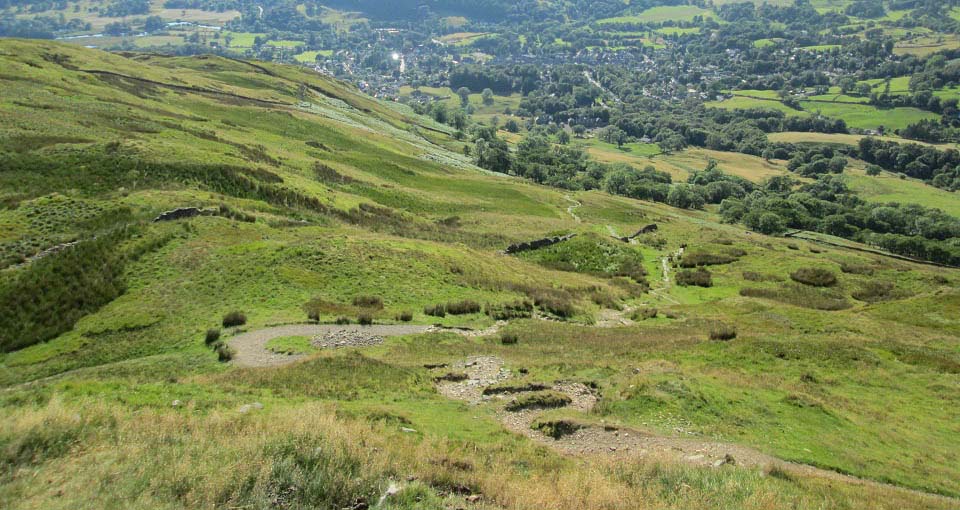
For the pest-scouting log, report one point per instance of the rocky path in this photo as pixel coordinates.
(250, 348)
(574, 205)
(581, 438)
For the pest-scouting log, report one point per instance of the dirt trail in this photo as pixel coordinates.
(618, 442)
(574, 205)
(251, 348)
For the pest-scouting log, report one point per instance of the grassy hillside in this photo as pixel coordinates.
(322, 204)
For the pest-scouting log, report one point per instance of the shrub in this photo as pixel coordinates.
(556, 302)
(642, 314)
(800, 295)
(313, 315)
(814, 276)
(539, 400)
(436, 310)
(851, 268)
(368, 302)
(874, 291)
(514, 386)
(752, 276)
(509, 338)
(700, 278)
(224, 352)
(342, 321)
(213, 335)
(691, 260)
(558, 428)
(405, 316)
(604, 300)
(364, 319)
(452, 377)
(723, 332)
(233, 319)
(793, 246)
(464, 307)
(507, 311)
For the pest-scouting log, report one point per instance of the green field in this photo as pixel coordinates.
(661, 14)
(321, 204)
(310, 57)
(869, 117)
(888, 187)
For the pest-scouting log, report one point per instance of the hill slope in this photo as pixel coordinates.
(318, 202)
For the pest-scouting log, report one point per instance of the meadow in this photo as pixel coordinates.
(325, 204)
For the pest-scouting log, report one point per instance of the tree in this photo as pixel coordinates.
(154, 24)
(512, 126)
(613, 134)
(769, 223)
(487, 97)
(579, 130)
(685, 196)
(563, 137)
(464, 94)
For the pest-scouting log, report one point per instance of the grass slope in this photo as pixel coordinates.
(319, 195)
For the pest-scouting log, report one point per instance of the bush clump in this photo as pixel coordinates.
(509, 338)
(464, 307)
(233, 319)
(212, 336)
(405, 316)
(558, 428)
(699, 278)
(723, 332)
(814, 277)
(438, 310)
(691, 260)
(507, 311)
(364, 319)
(224, 352)
(342, 321)
(373, 302)
(642, 314)
(799, 295)
(539, 400)
(874, 291)
(851, 268)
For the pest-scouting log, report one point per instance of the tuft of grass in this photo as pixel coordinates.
(851, 268)
(464, 307)
(874, 291)
(698, 259)
(699, 278)
(438, 310)
(365, 319)
(508, 311)
(211, 336)
(800, 295)
(723, 332)
(371, 302)
(509, 338)
(224, 352)
(405, 316)
(342, 321)
(234, 319)
(557, 428)
(814, 276)
(539, 400)
(642, 314)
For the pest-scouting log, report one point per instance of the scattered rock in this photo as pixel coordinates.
(408, 430)
(473, 498)
(176, 403)
(346, 338)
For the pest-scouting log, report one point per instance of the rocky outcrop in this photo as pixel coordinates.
(645, 230)
(179, 214)
(536, 245)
